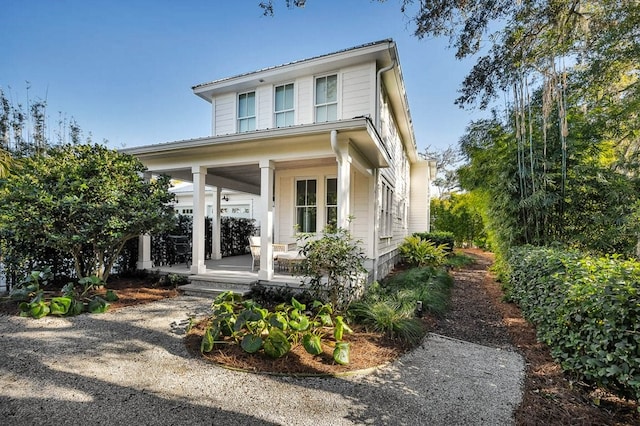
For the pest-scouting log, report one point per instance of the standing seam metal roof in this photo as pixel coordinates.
(388, 40)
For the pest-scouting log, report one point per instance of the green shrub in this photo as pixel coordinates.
(390, 306)
(333, 266)
(254, 328)
(438, 238)
(418, 252)
(390, 317)
(586, 309)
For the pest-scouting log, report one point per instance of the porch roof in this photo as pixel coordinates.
(233, 158)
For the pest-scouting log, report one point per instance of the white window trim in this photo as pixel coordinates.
(386, 210)
(338, 91)
(326, 206)
(318, 205)
(255, 107)
(292, 109)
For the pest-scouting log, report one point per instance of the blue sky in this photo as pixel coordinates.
(124, 69)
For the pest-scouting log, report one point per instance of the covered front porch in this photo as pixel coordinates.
(269, 163)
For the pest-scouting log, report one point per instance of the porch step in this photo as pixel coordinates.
(207, 286)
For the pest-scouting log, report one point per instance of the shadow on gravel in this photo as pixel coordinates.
(66, 398)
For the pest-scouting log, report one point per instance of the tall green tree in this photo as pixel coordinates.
(83, 200)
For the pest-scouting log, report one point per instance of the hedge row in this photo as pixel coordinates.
(438, 238)
(586, 309)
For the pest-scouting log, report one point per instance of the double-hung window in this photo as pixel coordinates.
(284, 105)
(306, 205)
(331, 201)
(386, 211)
(246, 111)
(326, 98)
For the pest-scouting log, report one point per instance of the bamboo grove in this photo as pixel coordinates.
(559, 164)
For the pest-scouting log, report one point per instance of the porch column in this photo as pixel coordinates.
(144, 241)
(266, 220)
(199, 175)
(144, 252)
(341, 149)
(216, 234)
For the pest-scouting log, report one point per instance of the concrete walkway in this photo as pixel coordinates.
(131, 367)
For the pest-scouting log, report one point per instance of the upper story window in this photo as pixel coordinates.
(246, 112)
(284, 105)
(327, 98)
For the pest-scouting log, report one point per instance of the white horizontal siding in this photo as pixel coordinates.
(419, 208)
(358, 89)
(361, 227)
(264, 107)
(225, 114)
(304, 105)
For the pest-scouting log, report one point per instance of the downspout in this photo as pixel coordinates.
(376, 171)
(334, 143)
(379, 90)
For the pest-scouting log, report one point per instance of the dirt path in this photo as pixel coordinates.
(478, 314)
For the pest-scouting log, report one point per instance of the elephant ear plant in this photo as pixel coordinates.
(74, 299)
(275, 332)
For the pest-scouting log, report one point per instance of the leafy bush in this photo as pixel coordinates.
(74, 299)
(586, 309)
(274, 332)
(333, 266)
(84, 201)
(418, 252)
(438, 238)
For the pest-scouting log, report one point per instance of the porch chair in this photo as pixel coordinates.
(254, 246)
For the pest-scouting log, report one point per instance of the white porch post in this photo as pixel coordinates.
(266, 221)
(144, 252)
(216, 234)
(341, 150)
(199, 175)
(144, 242)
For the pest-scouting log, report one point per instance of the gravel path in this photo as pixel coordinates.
(131, 367)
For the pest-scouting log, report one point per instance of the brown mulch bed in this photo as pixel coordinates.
(130, 291)
(367, 350)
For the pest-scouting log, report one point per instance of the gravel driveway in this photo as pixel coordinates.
(131, 367)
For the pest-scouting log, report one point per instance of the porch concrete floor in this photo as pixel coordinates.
(232, 270)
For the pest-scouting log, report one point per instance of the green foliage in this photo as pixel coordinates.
(439, 238)
(333, 266)
(459, 215)
(586, 309)
(418, 252)
(390, 306)
(389, 316)
(274, 331)
(341, 353)
(580, 200)
(75, 299)
(83, 200)
(458, 260)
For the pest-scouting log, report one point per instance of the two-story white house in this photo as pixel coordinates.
(320, 140)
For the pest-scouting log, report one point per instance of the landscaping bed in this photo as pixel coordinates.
(130, 291)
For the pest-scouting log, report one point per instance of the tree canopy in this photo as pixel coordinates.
(84, 200)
